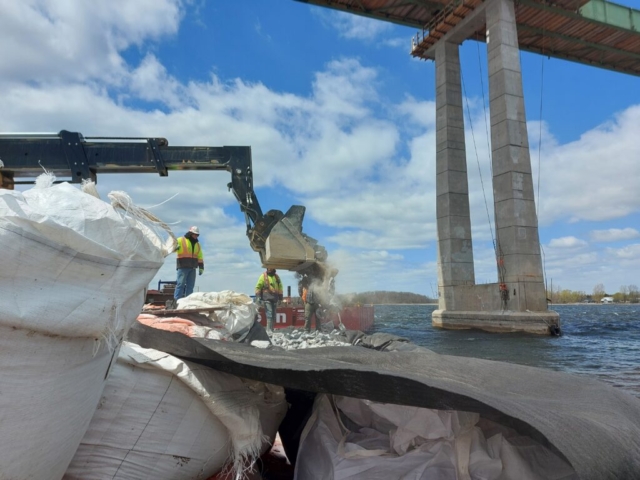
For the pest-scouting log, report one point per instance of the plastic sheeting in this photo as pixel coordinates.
(348, 438)
(182, 325)
(237, 314)
(162, 418)
(72, 275)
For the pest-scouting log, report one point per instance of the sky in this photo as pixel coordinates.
(340, 119)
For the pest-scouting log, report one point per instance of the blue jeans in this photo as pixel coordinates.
(186, 282)
(270, 311)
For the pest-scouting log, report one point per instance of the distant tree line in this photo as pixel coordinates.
(383, 297)
(626, 294)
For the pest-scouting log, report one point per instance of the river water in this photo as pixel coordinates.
(599, 341)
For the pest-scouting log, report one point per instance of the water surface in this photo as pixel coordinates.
(600, 341)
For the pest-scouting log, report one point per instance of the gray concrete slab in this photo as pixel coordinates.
(498, 321)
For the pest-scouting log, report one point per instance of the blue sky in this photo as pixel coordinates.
(340, 119)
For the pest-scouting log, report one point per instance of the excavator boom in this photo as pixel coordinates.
(276, 236)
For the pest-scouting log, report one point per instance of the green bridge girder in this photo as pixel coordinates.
(612, 14)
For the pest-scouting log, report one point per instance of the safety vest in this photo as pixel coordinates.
(309, 295)
(270, 287)
(189, 254)
(265, 288)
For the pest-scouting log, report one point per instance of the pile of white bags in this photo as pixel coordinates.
(348, 438)
(237, 310)
(72, 274)
(161, 418)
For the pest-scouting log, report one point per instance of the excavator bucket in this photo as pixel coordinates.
(287, 248)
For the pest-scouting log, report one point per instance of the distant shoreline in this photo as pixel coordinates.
(375, 304)
(592, 304)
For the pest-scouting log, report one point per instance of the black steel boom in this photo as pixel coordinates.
(71, 156)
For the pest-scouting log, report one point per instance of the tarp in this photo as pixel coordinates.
(593, 426)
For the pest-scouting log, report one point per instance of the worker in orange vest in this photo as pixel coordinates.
(311, 301)
(269, 291)
(189, 260)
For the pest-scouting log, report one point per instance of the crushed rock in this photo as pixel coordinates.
(299, 339)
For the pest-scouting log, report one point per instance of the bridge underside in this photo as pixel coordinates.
(594, 32)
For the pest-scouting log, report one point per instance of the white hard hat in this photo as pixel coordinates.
(195, 230)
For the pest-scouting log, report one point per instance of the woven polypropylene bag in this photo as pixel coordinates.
(72, 276)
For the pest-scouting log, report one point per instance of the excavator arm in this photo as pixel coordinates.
(276, 236)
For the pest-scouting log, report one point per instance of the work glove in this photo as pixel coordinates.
(201, 271)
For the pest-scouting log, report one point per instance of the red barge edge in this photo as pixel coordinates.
(357, 317)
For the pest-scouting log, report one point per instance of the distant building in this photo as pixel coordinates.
(606, 300)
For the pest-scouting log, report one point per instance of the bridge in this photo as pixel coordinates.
(592, 32)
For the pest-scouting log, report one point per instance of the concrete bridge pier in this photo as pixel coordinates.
(517, 302)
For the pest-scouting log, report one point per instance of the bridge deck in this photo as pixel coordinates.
(594, 32)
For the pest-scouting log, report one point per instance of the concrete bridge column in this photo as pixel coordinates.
(519, 260)
(455, 253)
(518, 301)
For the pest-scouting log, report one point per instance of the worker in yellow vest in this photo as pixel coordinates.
(189, 260)
(269, 291)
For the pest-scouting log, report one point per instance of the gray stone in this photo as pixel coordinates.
(456, 204)
(454, 226)
(507, 107)
(451, 181)
(505, 82)
(451, 159)
(449, 116)
(453, 274)
(512, 185)
(510, 158)
(515, 212)
(456, 251)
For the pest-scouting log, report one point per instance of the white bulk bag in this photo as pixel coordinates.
(348, 438)
(72, 274)
(237, 310)
(161, 418)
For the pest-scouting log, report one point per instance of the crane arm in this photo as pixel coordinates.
(277, 237)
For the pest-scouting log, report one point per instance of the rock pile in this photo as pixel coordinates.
(292, 339)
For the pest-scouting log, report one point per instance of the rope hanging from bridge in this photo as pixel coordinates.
(544, 261)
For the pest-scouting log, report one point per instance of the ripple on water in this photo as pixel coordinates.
(601, 341)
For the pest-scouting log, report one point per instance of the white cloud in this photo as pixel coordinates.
(628, 253)
(593, 178)
(151, 82)
(353, 26)
(567, 242)
(614, 234)
(398, 42)
(50, 40)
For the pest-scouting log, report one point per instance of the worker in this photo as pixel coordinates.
(269, 292)
(311, 298)
(189, 260)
